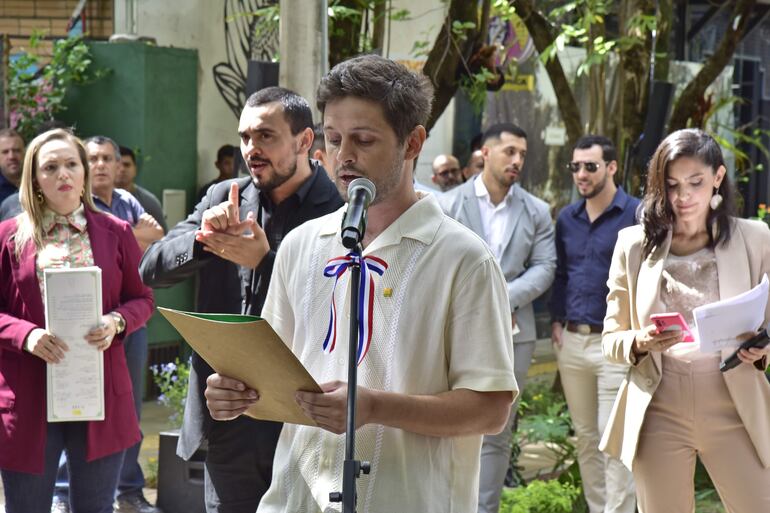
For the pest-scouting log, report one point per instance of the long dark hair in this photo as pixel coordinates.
(658, 216)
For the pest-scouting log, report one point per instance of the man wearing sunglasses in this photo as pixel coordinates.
(446, 172)
(586, 232)
(518, 228)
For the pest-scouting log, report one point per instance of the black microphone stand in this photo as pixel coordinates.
(352, 468)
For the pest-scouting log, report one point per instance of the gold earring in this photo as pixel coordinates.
(39, 196)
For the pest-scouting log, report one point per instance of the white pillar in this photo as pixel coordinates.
(125, 17)
(301, 48)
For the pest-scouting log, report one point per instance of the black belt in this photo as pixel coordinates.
(584, 329)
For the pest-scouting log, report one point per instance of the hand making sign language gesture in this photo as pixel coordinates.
(224, 234)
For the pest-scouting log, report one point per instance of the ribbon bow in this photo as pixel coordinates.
(336, 267)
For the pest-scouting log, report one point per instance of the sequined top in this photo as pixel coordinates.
(688, 282)
(65, 243)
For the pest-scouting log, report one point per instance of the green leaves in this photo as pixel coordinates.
(582, 23)
(460, 29)
(36, 89)
(544, 418)
(420, 48)
(540, 497)
(503, 8)
(341, 12)
(735, 140)
(172, 380)
(544, 421)
(475, 87)
(400, 15)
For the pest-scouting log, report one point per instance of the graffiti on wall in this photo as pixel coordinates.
(242, 43)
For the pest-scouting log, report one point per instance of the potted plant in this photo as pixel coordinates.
(180, 483)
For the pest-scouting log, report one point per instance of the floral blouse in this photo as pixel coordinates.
(65, 243)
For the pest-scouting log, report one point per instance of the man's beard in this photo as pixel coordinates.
(384, 185)
(598, 188)
(277, 178)
(506, 180)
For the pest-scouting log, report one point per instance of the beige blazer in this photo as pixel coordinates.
(634, 285)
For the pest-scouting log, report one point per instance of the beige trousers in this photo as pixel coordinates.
(590, 385)
(692, 412)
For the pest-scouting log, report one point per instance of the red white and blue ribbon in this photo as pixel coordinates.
(336, 267)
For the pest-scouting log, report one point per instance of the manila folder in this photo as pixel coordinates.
(246, 348)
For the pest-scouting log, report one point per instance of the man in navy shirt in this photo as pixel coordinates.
(11, 160)
(126, 179)
(586, 232)
(104, 162)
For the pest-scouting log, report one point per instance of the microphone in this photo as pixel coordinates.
(361, 193)
(759, 340)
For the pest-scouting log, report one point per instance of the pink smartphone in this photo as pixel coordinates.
(672, 321)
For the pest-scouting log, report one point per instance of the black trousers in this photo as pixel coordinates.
(239, 464)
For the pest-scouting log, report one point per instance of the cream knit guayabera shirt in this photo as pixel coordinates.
(444, 324)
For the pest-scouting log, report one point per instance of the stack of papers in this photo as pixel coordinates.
(718, 324)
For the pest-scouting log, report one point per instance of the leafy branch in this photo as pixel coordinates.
(36, 90)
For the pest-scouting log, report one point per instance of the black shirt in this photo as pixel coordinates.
(278, 220)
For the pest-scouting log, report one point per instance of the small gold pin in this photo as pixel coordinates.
(387, 292)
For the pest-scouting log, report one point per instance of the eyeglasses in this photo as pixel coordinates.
(446, 173)
(591, 167)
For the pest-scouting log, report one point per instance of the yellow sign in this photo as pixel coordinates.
(519, 83)
(415, 65)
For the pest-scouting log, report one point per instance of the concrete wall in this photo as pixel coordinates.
(200, 24)
(195, 24)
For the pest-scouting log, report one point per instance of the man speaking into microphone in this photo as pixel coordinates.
(435, 368)
(360, 194)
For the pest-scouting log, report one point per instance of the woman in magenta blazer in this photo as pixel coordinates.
(60, 226)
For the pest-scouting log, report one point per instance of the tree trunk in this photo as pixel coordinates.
(687, 103)
(378, 34)
(345, 35)
(447, 54)
(542, 35)
(665, 17)
(635, 71)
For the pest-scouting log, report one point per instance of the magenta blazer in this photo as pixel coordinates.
(23, 376)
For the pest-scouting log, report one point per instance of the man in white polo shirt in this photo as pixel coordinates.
(438, 373)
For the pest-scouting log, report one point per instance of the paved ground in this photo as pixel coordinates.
(155, 419)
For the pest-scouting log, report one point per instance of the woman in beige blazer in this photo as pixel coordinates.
(674, 402)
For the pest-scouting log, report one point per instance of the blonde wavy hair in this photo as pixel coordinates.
(30, 221)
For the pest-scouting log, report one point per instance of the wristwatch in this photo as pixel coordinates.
(120, 323)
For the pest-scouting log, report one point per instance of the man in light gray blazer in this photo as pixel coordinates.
(518, 229)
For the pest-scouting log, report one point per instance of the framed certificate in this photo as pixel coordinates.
(73, 306)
